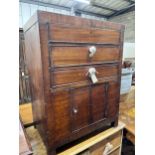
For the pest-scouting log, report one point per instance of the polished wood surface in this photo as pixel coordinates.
(24, 145)
(67, 56)
(78, 34)
(25, 111)
(66, 104)
(80, 74)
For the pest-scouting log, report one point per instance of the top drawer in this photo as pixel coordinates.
(63, 33)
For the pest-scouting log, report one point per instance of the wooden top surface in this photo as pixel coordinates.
(24, 147)
(49, 17)
(127, 110)
(25, 111)
(93, 140)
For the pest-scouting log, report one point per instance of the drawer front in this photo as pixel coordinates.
(75, 34)
(64, 56)
(107, 146)
(115, 152)
(78, 76)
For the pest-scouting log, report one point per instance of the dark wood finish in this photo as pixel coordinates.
(80, 74)
(24, 145)
(66, 104)
(67, 56)
(78, 34)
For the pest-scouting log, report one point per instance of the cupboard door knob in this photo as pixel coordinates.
(92, 51)
(108, 148)
(75, 111)
(92, 74)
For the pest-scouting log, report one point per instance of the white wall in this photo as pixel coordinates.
(128, 50)
(27, 10)
(128, 19)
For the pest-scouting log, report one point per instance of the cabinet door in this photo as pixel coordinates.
(80, 108)
(98, 102)
(93, 103)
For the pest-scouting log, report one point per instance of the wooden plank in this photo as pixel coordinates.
(25, 111)
(93, 140)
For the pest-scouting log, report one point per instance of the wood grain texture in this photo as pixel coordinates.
(25, 111)
(65, 56)
(80, 74)
(89, 35)
(127, 113)
(55, 18)
(79, 107)
(34, 65)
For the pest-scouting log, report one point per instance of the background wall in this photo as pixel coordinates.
(27, 10)
(128, 20)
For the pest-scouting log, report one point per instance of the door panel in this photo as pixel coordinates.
(80, 109)
(98, 100)
(87, 105)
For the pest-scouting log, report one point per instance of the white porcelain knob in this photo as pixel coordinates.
(92, 74)
(92, 51)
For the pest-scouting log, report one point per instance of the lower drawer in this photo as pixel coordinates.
(80, 76)
(115, 152)
(107, 146)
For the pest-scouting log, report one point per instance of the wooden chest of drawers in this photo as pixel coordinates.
(75, 69)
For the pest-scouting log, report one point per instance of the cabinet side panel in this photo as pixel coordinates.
(34, 64)
(49, 107)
